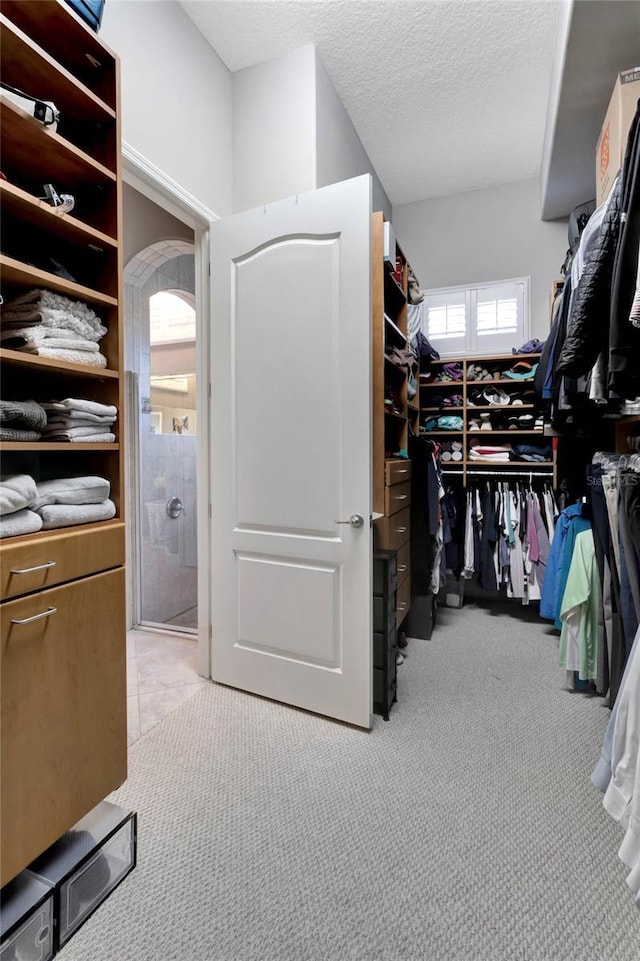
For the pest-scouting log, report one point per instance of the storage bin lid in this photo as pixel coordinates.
(21, 897)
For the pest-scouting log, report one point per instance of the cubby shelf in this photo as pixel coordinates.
(43, 216)
(16, 273)
(16, 358)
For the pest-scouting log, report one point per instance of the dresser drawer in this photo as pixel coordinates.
(64, 711)
(384, 645)
(404, 562)
(396, 471)
(403, 601)
(397, 497)
(36, 561)
(394, 531)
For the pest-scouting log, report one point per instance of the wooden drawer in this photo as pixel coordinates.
(61, 556)
(403, 601)
(64, 711)
(397, 497)
(396, 471)
(394, 531)
(404, 562)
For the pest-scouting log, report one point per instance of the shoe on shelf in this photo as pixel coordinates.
(476, 399)
(474, 424)
(485, 421)
(526, 421)
(494, 395)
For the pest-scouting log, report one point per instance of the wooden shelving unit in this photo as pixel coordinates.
(468, 411)
(391, 430)
(64, 735)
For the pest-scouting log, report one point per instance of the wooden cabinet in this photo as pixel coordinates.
(63, 675)
(468, 402)
(64, 719)
(396, 397)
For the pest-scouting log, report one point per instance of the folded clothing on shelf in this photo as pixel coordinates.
(21, 420)
(500, 452)
(449, 422)
(531, 452)
(67, 515)
(17, 491)
(52, 325)
(451, 371)
(531, 347)
(20, 522)
(89, 489)
(80, 421)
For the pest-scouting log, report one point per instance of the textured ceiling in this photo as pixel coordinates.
(446, 96)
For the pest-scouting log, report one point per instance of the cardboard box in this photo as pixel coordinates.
(615, 130)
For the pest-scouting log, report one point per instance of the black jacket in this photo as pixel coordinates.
(588, 322)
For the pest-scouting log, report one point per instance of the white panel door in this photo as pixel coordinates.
(291, 451)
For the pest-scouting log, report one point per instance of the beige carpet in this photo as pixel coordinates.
(464, 829)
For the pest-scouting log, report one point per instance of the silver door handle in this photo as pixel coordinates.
(36, 617)
(31, 570)
(356, 520)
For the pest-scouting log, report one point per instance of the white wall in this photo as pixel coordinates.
(176, 96)
(339, 150)
(274, 129)
(144, 223)
(484, 235)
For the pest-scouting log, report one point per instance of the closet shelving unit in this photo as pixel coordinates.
(64, 731)
(430, 388)
(391, 428)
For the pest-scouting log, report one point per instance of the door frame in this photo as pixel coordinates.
(149, 180)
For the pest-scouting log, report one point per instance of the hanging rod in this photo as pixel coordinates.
(504, 474)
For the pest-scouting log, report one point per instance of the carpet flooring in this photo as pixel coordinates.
(464, 829)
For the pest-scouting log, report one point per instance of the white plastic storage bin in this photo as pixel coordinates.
(87, 863)
(26, 920)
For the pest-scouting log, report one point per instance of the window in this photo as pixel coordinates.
(483, 319)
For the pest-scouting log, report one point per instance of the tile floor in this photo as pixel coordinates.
(161, 675)
(187, 618)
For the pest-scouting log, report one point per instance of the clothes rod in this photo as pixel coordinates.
(502, 473)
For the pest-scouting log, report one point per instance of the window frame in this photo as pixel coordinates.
(472, 344)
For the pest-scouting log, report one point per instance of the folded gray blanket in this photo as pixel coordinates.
(66, 515)
(17, 491)
(23, 413)
(13, 433)
(54, 310)
(71, 490)
(74, 418)
(21, 522)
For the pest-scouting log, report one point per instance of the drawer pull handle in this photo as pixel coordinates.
(401, 530)
(401, 497)
(32, 570)
(36, 617)
(402, 568)
(401, 606)
(405, 470)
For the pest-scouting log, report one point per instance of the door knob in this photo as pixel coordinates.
(356, 520)
(175, 507)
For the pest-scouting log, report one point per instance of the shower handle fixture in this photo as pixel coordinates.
(175, 507)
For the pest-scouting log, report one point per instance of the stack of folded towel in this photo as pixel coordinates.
(79, 421)
(498, 453)
(21, 420)
(51, 325)
(17, 495)
(27, 506)
(73, 500)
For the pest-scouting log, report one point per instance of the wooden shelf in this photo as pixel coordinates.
(470, 408)
(511, 381)
(22, 56)
(395, 328)
(393, 291)
(443, 410)
(511, 432)
(444, 383)
(15, 272)
(414, 408)
(25, 142)
(392, 413)
(460, 433)
(32, 539)
(19, 359)
(43, 216)
(36, 447)
(499, 464)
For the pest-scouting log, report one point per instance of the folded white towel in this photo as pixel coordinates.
(55, 310)
(17, 491)
(75, 432)
(21, 522)
(72, 490)
(91, 358)
(104, 437)
(75, 405)
(66, 515)
(96, 426)
(33, 338)
(76, 418)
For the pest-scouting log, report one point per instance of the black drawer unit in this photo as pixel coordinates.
(27, 919)
(385, 636)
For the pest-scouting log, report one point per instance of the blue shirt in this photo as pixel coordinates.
(568, 526)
